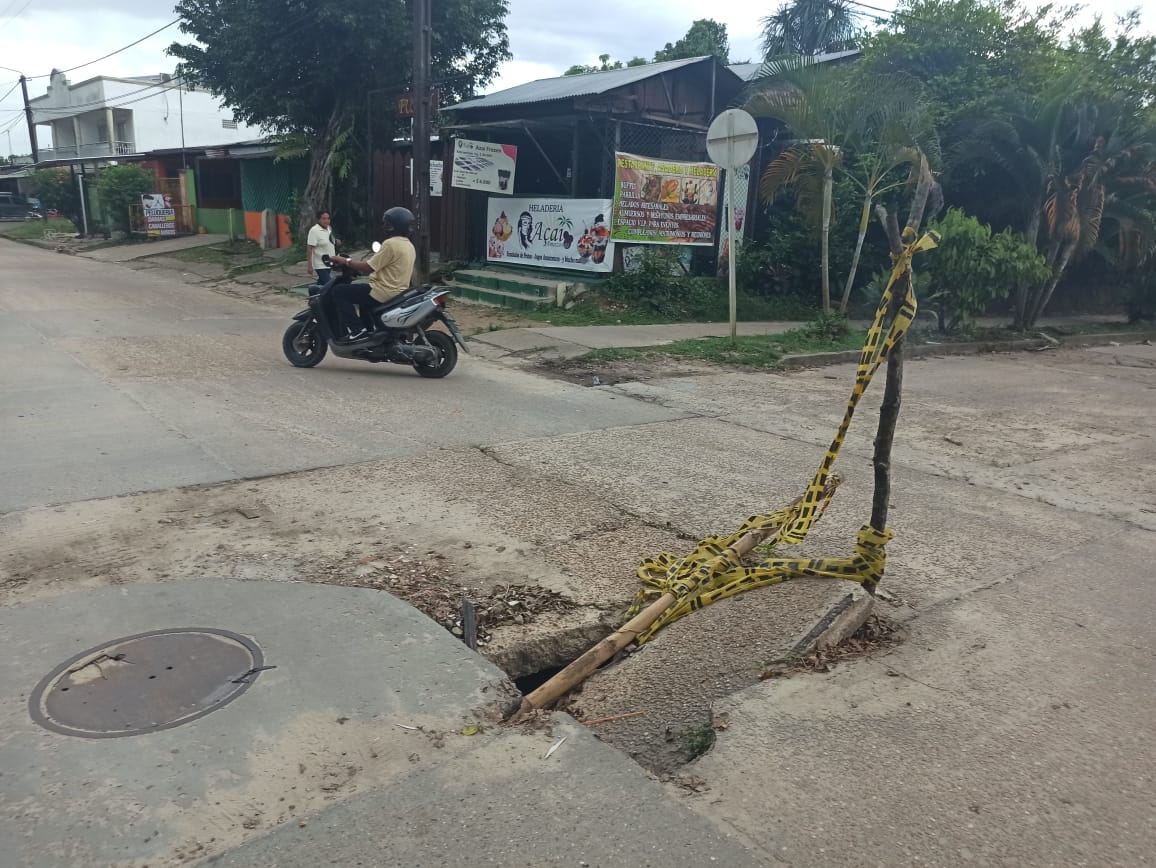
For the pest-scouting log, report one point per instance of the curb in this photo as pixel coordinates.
(919, 351)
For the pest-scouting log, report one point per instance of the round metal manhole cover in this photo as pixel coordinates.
(145, 683)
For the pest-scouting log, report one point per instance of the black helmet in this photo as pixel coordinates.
(397, 221)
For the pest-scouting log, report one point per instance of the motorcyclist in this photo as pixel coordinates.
(390, 272)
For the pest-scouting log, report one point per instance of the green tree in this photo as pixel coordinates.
(809, 27)
(306, 69)
(967, 54)
(1069, 160)
(57, 189)
(605, 64)
(120, 187)
(706, 37)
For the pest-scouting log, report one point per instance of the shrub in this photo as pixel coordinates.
(973, 267)
(657, 284)
(122, 186)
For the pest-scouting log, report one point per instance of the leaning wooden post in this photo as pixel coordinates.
(893, 387)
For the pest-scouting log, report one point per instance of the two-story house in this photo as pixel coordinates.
(104, 118)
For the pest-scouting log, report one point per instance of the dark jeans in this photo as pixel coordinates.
(350, 297)
(323, 275)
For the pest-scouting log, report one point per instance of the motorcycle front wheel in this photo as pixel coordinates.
(302, 344)
(447, 353)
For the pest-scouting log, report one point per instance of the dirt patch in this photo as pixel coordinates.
(429, 588)
(877, 635)
(584, 372)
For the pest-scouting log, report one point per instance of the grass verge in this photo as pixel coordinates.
(598, 309)
(33, 230)
(228, 253)
(748, 351)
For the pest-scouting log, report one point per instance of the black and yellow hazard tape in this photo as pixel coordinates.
(711, 572)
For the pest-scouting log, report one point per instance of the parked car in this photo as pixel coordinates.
(13, 206)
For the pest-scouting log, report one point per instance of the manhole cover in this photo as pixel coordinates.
(147, 682)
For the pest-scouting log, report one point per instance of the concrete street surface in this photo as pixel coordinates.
(155, 438)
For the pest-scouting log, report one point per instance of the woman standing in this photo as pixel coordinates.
(320, 243)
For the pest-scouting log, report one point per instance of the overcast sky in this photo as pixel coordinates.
(37, 35)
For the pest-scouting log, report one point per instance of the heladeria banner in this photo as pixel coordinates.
(551, 233)
(663, 202)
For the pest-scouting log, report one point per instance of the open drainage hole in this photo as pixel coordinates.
(532, 681)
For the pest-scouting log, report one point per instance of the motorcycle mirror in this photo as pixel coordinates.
(376, 246)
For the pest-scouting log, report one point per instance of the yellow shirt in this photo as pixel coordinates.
(392, 268)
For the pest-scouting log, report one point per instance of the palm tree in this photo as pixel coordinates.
(806, 99)
(1067, 157)
(809, 27)
(837, 130)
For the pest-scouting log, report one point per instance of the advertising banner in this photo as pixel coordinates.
(738, 213)
(484, 166)
(160, 217)
(663, 202)
(551, 233)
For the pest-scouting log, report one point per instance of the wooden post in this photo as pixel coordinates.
(893, 387)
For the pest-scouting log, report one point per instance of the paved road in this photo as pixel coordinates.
(117, 381)
(1014, 725)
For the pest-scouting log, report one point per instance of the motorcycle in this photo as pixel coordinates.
(399, 329)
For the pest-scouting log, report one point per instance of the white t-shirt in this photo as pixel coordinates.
(321, 240)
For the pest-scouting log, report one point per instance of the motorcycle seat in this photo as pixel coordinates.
(397, 300)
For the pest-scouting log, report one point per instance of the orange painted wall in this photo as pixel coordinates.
(253, 226)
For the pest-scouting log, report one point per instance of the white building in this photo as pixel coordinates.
(107, 117)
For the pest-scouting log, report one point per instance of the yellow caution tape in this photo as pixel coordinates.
(711, 572)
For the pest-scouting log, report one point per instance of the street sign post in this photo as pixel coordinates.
(731, 141)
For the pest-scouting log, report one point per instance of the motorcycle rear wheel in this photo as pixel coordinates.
(447, 352)
(302, 345)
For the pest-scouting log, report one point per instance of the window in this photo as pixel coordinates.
(229, 125)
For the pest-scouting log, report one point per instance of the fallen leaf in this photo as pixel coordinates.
(472, 729)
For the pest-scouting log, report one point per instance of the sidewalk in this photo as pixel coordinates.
(571, 341)
(129, 252)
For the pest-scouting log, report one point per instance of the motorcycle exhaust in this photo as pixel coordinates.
(413, 353)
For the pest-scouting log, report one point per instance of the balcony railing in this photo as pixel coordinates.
(92, 150)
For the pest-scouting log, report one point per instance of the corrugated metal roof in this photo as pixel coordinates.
(747, 71)
(570, 86)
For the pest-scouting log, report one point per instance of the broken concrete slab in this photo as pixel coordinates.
(350, 666)
(677, 678)
(502, 803)
(368, 710)
(1011, 727)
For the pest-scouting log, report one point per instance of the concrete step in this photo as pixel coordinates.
(498, 297)
(544, 288)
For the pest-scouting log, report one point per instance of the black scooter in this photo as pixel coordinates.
(399, 329)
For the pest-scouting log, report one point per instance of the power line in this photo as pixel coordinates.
(104, 102)
(111, 53)
(15, 85)
(18, 12)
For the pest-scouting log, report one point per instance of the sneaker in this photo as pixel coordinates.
(358, 335)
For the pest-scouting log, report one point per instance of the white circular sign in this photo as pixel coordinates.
(732, 139)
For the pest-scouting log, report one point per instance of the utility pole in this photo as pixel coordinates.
(28, 116)
(421, 131)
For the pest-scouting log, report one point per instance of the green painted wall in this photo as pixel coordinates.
(216, 221)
